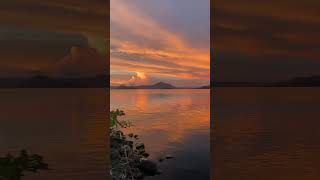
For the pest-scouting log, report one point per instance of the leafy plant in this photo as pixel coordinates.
(114, 122)
(126, 152)
(12, 168)
(129, 159)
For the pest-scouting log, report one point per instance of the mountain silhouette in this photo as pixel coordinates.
(159, 85)
(308, 81)
(43, 81)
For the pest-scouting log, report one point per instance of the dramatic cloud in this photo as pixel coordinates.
(273, 37)
(142, 42)
(81, 16)
(85, 62)
(37, 34)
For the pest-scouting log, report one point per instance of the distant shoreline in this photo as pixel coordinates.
(159, 85)
(103, 81)
(42, 81)
(159, 89)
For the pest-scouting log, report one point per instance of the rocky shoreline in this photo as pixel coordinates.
(129, 160)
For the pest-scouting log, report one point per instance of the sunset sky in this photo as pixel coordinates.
(265, 40)
(165, 40)
(37, 36)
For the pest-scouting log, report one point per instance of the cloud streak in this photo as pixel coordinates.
(37, 34)
(82, 16)
(273, 37)
(140, 43)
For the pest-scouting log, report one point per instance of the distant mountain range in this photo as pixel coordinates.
(312, 81)
(302, 81)
(159, 85)
(41, 81)
(102, 81)
(99, 81)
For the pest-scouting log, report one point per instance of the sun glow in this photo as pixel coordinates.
(145, 49)
(141, 75)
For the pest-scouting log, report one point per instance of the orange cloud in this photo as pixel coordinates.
(267, 28)
(81, 16)
(138, 41)
(137, 78)
(185, 72)
(141, 75)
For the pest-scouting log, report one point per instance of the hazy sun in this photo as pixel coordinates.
(141, 75)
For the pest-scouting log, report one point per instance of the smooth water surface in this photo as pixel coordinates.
(173, 122)
(66, 126)
(266, 133)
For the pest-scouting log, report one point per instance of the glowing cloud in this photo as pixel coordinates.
(141, 44)
(141, 75)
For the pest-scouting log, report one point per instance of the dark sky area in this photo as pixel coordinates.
(252, 40)
(41, 36)
(265, 40)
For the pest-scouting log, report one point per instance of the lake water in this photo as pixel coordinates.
(266, 133)
(258, 134)
(67, 126)
(173, 122)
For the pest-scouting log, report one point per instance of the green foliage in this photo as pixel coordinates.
(12, 168)
(114, 122)
(125, 158)
(129, 159)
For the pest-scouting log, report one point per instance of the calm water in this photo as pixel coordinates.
(66, 126)
(174, 122)
(266, 133)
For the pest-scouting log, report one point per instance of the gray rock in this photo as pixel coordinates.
(148, 167)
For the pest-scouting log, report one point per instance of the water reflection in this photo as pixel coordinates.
(66, 126)
(266, 133)
(171, 121)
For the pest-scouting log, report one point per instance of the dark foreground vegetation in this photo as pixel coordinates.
(12, 168)
(129, 160)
